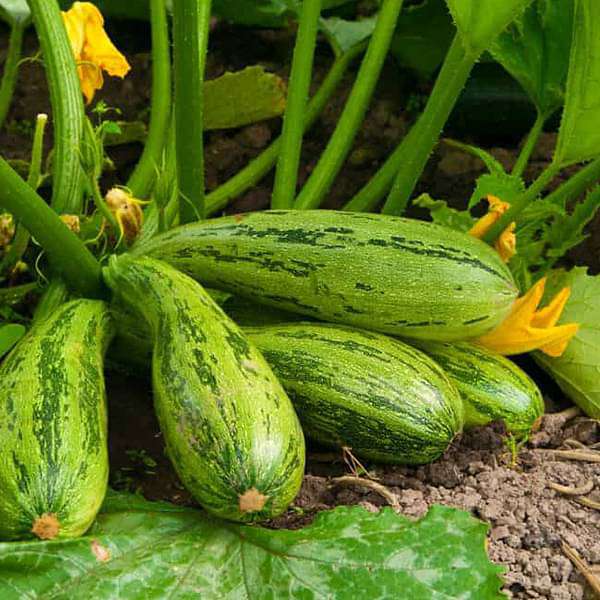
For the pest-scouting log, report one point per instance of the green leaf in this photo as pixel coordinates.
(535, 51)
(9, 335)
(423, 35)
(502, 185)
(577, 371)
(343, 34)
(442, 214)
(139, 549)
(579, 135)
(14, 11)
(480, 21)
(243, 97)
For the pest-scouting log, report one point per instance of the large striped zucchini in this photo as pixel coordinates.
(230, 430)
(54, 466)
(382, 398)
(389, 274)
(493, 388)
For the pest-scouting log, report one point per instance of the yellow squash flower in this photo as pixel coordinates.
(506, 244)
(526, 328)
(93, 50)
(127, 211)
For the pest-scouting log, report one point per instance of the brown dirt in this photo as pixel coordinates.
(528, 519)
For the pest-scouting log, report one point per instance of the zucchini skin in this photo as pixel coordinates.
(493, 388)
(384, 399)
(230, 430)
(398, 276)
(53, 425)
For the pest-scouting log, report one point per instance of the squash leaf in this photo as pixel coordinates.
(243, 97)
(442, 214)
(140, 550)
(577, 371)
(534, 49)
(344, 35)
(480, 21)
(579, 135)
(10, 334)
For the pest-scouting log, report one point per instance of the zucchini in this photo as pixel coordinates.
(493, 388)
(230, 430)
(53, 432)
(399, 276)
(384, 399)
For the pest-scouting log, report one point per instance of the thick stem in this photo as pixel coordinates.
(67, 105)
(262, 164)
(54, 295)
(521, 202)
(11, 68)
(419, 143)
(143, 177)
(528, 147)
(576, 185)
(191, 24)
(352, 116)
(286, 175)
(67, 252)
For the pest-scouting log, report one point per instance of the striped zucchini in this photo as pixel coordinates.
(384, 399)
(230, 430)
(493, 388)
(54, 467)
(389, 274)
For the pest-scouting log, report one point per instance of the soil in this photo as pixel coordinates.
(529, 519)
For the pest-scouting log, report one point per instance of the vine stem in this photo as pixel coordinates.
(352, 116)
(68, 254)
(191, 24)
(528, 147)
(67, 105)
(286, 175)
(11, 68)
(419, 143)
(263, 163)
(521, 202)
(142, 179)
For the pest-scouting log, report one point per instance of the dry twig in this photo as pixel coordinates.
(350, 480)
(582, 567)
(586, 488)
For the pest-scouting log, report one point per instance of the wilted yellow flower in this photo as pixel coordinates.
(72, 222)
(506, 244)
(93, 50)
(127, 211)
(7, 229)
(527, 328)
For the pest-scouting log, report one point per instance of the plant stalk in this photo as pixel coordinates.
(11, 68)
(521, 202)
(263, 163)
(67, 105)
(142, 179)
(419, 143)
(68, 254)
(286, 175)
(191, 24)
(339, 145)
(528, 147)
(576, 185)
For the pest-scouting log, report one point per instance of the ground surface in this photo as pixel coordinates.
(529, 519)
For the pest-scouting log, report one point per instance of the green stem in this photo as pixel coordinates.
(286, 175)
(21, 238)
(141, 180)
(191, 23)
(67, 105)
(341, 141)
(55, 294)
(102, 206)
(576, 185)
(11, 68)
(262, 164)
(528, 147)
(419, 143)
(67, 252)
(521, 202)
